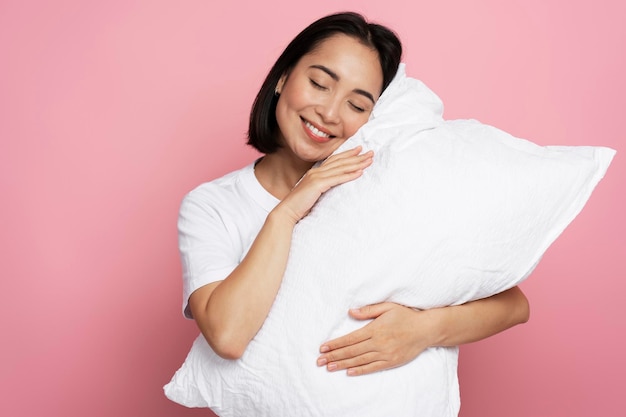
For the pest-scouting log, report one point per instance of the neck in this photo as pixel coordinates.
(278, 174)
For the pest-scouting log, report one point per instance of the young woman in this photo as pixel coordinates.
(235, 232)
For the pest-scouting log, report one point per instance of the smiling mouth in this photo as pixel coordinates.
(316, 131)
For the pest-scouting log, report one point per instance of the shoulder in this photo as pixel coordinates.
(219, 192)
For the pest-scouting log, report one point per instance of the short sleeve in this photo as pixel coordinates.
(206, 248)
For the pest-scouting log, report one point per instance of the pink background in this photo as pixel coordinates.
(111, 111)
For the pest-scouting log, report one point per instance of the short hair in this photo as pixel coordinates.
(263, 125)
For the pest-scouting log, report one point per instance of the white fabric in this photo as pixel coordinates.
(449, 212)
(217, 223)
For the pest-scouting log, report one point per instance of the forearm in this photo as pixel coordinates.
(479, 319)
(231, 313)
(397, 334)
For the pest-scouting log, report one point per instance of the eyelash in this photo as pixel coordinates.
(316, 85)
(321, 87)
(357, 108)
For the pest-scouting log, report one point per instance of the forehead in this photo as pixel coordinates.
(356, 64)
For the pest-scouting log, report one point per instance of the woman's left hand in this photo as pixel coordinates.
(392, 339)
(397, 334)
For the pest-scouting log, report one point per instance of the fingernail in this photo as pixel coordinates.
(324, 348)
(332, 367)
(322, 361)
(351, 372)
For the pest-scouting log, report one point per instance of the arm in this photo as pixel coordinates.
(229, 313)
(398, 334)
(480, 319)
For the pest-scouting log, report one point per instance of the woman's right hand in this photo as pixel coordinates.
(230, 312)
(335, 170)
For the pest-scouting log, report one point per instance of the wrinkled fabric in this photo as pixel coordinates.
(450, 211)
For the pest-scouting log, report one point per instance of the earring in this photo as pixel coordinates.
(276, 92)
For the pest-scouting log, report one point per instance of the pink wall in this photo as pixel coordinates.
(111, 111)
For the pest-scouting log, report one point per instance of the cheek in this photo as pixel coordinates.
(288, 103)
(354, 123)
(280, 111)
(336, 144)
(281, 114)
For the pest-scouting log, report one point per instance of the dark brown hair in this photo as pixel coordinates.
(262, 129)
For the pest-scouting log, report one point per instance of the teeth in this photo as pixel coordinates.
(316, 131)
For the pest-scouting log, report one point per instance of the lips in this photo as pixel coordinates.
(318, 134)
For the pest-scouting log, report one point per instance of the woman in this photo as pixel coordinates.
(235, 232)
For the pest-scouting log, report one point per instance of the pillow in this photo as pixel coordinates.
(450, 211)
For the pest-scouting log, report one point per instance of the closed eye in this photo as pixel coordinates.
(357, 108)
(316, 84)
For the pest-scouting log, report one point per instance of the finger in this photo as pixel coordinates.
(347, 153)
(355, 362)
(369, 368)
(355, 163)
(353, 154)
(346, 353)
(349, 339)
(326, 179)
(341, 167)
(370, 311)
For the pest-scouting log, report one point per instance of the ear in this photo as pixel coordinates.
(280, 84)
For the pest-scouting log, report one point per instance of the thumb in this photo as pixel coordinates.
(370, 311)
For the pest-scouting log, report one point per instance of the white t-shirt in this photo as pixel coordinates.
(218, 222)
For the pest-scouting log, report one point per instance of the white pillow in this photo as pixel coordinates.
(449, 212)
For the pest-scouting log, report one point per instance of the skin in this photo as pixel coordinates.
(323, 101)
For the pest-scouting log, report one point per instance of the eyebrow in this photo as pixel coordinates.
(335, 77)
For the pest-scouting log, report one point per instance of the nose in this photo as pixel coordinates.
(329, 109)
